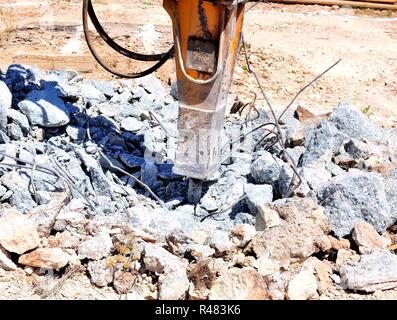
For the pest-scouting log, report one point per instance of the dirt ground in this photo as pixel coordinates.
(288, 46)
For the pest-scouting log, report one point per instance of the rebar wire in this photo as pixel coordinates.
(276, 124)
(29, 165)
(112, 166)
(154, 117)
(31, 180)
(307, 86)
(225, 209)
(276, 119)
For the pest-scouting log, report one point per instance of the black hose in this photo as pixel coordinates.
(162, 60)
(111, 43)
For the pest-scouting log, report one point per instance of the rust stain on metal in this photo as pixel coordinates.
(203, 21)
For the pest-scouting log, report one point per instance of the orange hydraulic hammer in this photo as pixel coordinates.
(206, 40)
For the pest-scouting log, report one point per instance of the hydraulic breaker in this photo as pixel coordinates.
(206, 39)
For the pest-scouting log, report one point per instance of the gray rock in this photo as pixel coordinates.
(165, 171)
(140, 217)
(266, 169)
(296, 153)
(244, 218)
(334, 169)
(15, 181)
(173, 286)
(20, 119)
(153, 85)
(8, 149)
(173, 280)
(4, 138)
(354, 123)
(170, 112)
(174, 222)
(125, 97)
(139, 92)
(100, 274)
(14, 131)
(315, 175)
(5, 104)
(76, 133)
(149, 174)
(240, 168)
(391, 190)
(226, 192)
(295, 134)
(220, 241)
(42, 180)
(100, 182)
(283, 184)
(22, 200)
(61, 82)
(154, 140)
(112, 109)
(377, 271)
(103, 86)
(257, 195)
(322, 143)
(356, 149)
(354, 196)
(209, 204)
(159, 260)
(3, 190)
(45, 109)
(96, 247)
(43, 197)
(17, 73)
(64, 75)
(90, 92)
(130, 160)
(131, 124)
(74, 169)
(26, 154)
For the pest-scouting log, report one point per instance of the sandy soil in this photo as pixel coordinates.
(288, 46)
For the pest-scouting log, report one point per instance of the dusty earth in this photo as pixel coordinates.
(288, 46)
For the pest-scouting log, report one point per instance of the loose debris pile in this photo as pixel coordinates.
(91, 209)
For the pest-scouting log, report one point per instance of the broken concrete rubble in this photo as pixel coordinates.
(49, 258)
(354, 196)
(256, 241)
(96, 247)
(301, 233)
(240, 284)
(376, 271)
(303, 285)
(368, 239)
(17, 233)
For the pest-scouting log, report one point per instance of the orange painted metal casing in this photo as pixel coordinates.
(206, 38)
